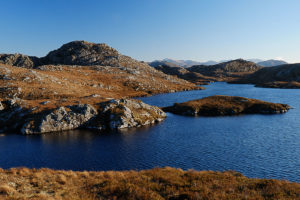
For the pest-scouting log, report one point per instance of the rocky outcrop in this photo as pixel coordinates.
(283, 76)
(63, 118)
(19, 60)
(83, 53)
(226, 105)
(114, 114)
(127, 113)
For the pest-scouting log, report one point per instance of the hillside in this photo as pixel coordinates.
(272, 63)
(201, 74)
(181, 72)
(228, 69)
(78, 74)
(159, 183)
(283, 76)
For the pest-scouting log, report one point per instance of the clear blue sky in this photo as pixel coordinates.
(155, 29)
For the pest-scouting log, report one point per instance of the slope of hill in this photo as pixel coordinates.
(181, 72)
(283, 76)
(272, 63)
(95, 73)
(201, 74)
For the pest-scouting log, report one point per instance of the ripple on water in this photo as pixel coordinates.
(265, 146)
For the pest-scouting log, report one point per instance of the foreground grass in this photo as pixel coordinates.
(159, 183)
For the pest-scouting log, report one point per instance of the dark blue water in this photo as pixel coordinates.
(264, 146)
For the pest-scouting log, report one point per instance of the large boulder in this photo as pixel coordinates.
(127, 113)
(63, 118)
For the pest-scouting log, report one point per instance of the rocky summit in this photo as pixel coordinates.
(220, 105)
(83, 53)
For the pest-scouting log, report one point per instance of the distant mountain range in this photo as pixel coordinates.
(189, 63)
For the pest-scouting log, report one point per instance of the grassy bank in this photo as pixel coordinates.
(158, 183)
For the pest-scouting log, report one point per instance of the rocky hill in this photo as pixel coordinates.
(83, 53)
(226, 69)
(283, 76)
(70, 82)
(272, 63)
(201, 74)
(181, 72)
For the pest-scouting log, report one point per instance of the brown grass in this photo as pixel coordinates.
(226, 105)
(158, 183)
(79, 84)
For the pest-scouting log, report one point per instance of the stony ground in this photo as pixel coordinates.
(49, 86)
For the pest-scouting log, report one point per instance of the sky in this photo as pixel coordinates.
(148, 30)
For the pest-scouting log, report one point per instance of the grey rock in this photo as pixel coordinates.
(19, 60)
(63, 118)
(1, 106)
(127, 113)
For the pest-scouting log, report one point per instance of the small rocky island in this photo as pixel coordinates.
(226, 105)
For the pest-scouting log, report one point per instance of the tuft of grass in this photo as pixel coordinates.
(6, 189)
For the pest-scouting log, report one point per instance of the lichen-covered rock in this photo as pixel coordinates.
(63, 118)
(126, 113)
